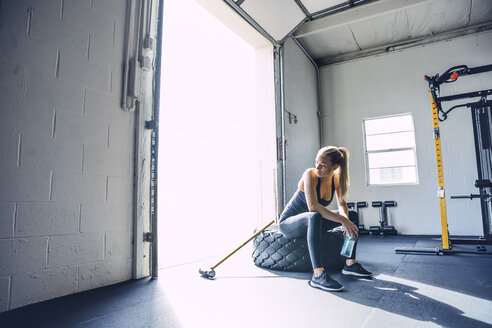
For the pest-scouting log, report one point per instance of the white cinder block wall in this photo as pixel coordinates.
(300, 90)
(394, 83)
(66, 149)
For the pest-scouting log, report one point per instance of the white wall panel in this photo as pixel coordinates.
(301, 99)
(481, 11)
(277, 17)
(448, 15)
(380, 30)
(394, 83)
(340, 40)
(388, 22)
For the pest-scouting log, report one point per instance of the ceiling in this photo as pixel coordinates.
(336, 30)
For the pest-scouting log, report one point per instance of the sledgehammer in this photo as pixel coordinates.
(211, 273)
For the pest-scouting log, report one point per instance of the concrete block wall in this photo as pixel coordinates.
(66, 149)
(394, 83)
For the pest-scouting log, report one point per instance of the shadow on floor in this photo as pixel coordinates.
(135, 303)
(397, 298)
(405, 300)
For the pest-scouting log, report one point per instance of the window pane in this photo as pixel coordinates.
(389, 159)
(393, 175)
(390, 141)
(390, 150)
(388, 124)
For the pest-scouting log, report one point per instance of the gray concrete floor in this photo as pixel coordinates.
(406, 291)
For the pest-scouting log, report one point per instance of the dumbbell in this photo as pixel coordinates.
(383, 227)
(362, 228)
(355, 207)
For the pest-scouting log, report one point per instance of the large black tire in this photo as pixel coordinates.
(272, 250)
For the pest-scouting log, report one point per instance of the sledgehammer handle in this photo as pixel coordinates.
(247, 241)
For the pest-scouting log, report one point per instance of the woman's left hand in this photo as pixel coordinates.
(350, 228)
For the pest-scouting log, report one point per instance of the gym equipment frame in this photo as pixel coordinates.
(482, 122)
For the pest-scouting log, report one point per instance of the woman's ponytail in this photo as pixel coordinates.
(344, 179)
(340, 156)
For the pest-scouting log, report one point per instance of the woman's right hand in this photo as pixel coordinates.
(350, 228)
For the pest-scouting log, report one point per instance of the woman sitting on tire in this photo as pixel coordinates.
(306, 213)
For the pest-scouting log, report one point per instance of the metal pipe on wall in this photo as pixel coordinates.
(149, 13)
(320, 109)
(280, 129)
(282, 119)
(130, 68)
(142, 25)
(126, 64)
(157, 102)
(135, 59)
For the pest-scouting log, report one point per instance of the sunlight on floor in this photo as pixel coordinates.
(470, 306)
(243, 295)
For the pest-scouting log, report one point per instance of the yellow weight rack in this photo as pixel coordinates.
(440, 174)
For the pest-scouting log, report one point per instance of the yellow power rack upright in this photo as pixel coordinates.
(440, 174)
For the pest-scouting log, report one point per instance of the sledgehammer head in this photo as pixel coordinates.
(207, 274)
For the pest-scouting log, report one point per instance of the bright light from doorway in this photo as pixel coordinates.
(208, 158)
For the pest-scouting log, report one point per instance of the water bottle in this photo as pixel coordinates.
(348, 245)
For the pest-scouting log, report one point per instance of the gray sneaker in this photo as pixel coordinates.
(325, 282)
(356, 270)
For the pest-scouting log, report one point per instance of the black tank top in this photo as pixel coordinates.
(321, 200)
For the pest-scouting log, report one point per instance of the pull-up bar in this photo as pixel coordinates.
(452, 75)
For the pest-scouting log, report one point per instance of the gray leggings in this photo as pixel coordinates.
(311, 225)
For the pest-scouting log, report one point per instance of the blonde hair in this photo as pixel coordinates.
(340, 156)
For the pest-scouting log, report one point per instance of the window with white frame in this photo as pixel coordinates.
(390, 150)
